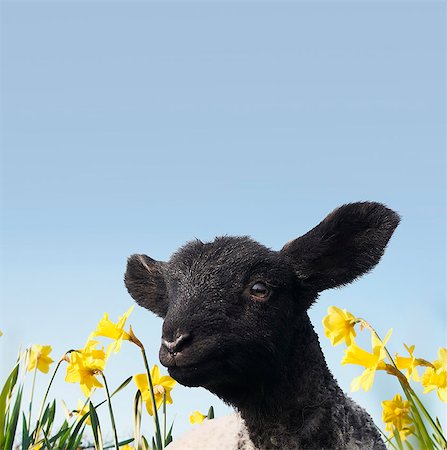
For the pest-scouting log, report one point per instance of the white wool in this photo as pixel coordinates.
(223, 433)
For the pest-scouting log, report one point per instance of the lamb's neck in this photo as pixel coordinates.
(295, 403)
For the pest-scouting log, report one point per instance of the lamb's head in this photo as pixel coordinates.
(229, 305)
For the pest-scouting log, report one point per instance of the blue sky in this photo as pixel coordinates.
(136, 126)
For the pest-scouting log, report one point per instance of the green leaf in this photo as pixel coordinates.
(63, 432)
(63, 435)
(122, 386)
(11, 426)
(26, 438)
(387, 439)
(51, 416)
(125, 442)
(96, 428)
(439, 423)
(45, 415)
(398, 439)
(169, 435)
(75, 437)
(137, 411)
(79, 439)
(145, 443)
(5, 397)
(210, 414)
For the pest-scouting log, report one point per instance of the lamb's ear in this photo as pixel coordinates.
(145, 283)
(346, 244)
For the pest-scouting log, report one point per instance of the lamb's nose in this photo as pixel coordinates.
(180, 341)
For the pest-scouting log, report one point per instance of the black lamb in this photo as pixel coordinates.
(236, 323)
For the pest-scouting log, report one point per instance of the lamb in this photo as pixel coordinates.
(236, 323)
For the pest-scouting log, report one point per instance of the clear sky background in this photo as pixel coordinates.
(136, 126)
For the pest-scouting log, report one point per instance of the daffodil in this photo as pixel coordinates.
(85, 365)
(112, 330)
(126, 447)
(396, 416)
(339, 326)
(371, 361)
(408, 363)
(162, 386)
(436, 378)
(83, 409)
(197, 417)
(39, 358)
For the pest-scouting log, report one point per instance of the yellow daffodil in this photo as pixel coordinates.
(162, 385)
(371, 361)
(39, 358)
(396, 415)
(197, 417)
(85, 365)
(112, 330)
(436, 378)
(126, 447)
(339, 326)
(82, 410)
(409, 364)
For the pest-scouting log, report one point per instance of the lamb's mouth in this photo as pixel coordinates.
(189, 370)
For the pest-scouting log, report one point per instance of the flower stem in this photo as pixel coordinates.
(154, 405)
(411, 396)
(37, 431)
(32, 394)
(164, 418)
(428, 417)
(112, 418)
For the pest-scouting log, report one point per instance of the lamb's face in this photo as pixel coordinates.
(230, 306)
(230, 303)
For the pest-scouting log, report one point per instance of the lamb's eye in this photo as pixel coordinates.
(260, 291)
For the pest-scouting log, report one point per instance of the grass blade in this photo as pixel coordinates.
(12, 422)
(137, 411)
(76, 436)
(145, 444)
(169, 435)
(96, 428)
(26, 438)
(125, 442)
(5, 398)
(121, 386)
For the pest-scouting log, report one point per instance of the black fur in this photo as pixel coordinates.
(262, 355)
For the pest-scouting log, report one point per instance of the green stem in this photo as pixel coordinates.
(428, 417)
(32, 394)
(37, 431)
(387, 439)
(409, 393)
(112, 418)
(164, 418)
(154, 405)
